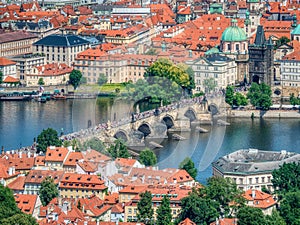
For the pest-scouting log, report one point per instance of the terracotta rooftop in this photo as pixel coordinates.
(18, 184)
(10, 79)
(53, 69)
(6, 62)
(73, 158)
(259, 199)
(56, 154)
(82, 181)
(15, 36)
(26, 203)
(37, 176)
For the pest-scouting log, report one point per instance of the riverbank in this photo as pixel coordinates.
(293, 114)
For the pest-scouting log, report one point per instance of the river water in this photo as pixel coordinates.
(20, 122)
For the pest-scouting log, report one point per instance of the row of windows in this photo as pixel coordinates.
(255, 180)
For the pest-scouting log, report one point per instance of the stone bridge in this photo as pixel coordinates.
(156, 123)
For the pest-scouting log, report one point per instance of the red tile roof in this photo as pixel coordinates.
(226, 221)
(56, 154)
(54, 69)
(260, 199)
(17, 184)
(26, 203)
(73, 158)
(10, 79)
(187, 221)
(82, 181)
(37, 176)
(39, 160)
(6, 62)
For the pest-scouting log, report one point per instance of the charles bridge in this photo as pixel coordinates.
(153, 124)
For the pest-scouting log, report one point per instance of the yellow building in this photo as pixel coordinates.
(81, 186)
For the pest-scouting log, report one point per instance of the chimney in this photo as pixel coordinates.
(85, 222)
(253, 194)
(28, 154)
(10, 171)
(97, 222)
(70, 148)
(20, 154)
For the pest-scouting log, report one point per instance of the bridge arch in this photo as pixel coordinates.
(145, 128)
(213, 109)
(191, 114)
(168, 120)
(121, 134)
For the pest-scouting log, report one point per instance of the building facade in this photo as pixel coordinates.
(16, 43)
(60, 48)
(221, 69)
(252, 168)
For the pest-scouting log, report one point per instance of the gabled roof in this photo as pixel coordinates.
(10, 79)
(62, 40)
(259, 199)
(56, 154)
(37, 176)
(26, 203)
(17, 184)
(73, 158)
(6, 62)
(187, 221)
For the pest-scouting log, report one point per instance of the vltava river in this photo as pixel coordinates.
(20, 122)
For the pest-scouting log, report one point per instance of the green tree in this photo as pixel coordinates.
(76, 145)
(10, 214)
(275, 219)
(19, 219)
(48, 191)
(75, 78)
(151, 51)
(200, 210)
(239, 99)
(210, 84)
(165, 68)
(1, 77)
(147, 157)
(144, 208)
(118, 150)
(224, 191)
(250, 216)
(281, 41)
(94, 143)
(286, 178)
(188, 165)
(8, 206)
(102, 79)
(229, 95)
(164, 216)
(48, 137)
(260, 95)
(293, 100)
(290, 208)
(41, 81)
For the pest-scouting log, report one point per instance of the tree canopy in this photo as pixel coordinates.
(200, 210)
(163, 81)
(224, 191)
(147, 157)
(48, 191)
(48, 137)
(290, 208)
(75, 78)
(144, 208)
(118, 150)
(164, 216)
(41, 81)
(260, 95)
(10, 214)
(294, 100)
(94, 143)
(250, 216)
(287, 178)
(234, 99)
(188, 165)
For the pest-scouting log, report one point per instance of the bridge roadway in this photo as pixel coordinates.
(149, 124)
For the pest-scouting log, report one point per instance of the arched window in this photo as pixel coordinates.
(237, 47)
(228, 47)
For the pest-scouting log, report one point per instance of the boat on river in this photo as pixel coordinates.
(14, 96)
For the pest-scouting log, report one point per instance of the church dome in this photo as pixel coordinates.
(234, 33)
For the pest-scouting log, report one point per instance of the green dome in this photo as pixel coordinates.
(211, 51)
(234, 33)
